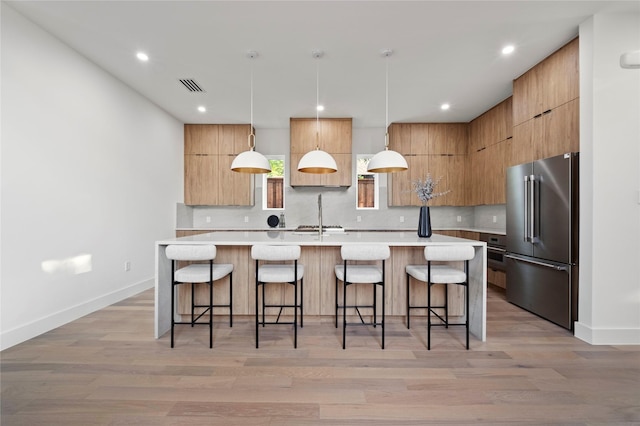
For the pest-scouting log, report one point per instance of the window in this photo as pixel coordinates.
(367, 189)
(273, 184)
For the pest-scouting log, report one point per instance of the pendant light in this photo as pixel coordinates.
(251, 161)
(317, 161)
(387, 161)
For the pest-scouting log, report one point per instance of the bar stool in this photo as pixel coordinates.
(198, 273)
(288, 273)
(350, 274)
(441, 274)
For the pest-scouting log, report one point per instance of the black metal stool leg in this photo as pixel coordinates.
(408, 303)
(428, 316)
(231, 299)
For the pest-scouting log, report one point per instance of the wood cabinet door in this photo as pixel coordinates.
(343, 177)
(335, 135)
(420, 138)
(304, 134)
(495, 173)
(233, 138)
(452, 171)
(559, 77)
(400, 138)
(526, 97)
(200, 139)
(560, 131)
(520, 148)
(200, 180)
(234, 189)
(448, 138)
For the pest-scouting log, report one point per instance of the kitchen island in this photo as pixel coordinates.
(319, 255)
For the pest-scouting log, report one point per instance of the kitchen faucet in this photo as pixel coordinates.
(320, 214)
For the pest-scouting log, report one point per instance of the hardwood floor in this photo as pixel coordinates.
(107, 369)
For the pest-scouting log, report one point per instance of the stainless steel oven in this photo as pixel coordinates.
(496, 249)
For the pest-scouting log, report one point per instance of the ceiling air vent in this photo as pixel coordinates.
(191, 85)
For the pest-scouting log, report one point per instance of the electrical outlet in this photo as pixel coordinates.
(358, 218)
(459, 218)
(127, 266)
(495, 219)
(246, 219)
(401, 219)
(208, 219)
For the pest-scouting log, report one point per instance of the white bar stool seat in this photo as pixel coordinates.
(195, 274)
(433, 274)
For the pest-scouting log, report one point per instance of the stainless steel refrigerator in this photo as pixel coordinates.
(542, 238)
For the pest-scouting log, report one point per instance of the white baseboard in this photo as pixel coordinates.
(37, 327)
(607, 336)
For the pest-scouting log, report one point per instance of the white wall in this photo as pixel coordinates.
(89, 168)
(609, 302)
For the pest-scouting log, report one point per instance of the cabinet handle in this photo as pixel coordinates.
(538, 115)
(547, 111)
(509, 137)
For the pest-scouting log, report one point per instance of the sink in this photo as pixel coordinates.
(326, 229)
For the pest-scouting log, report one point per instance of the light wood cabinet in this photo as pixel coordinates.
(488, 175)
(490, 135)
(497, 278)
(491, 127)
(333, 135)
(448, 138)
(436, 148)
(209, 150)
(552, 133)
(551, 83)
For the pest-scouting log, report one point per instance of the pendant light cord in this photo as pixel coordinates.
(252, 136)
(317, 102)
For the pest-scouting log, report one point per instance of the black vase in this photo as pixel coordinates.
(424, 223)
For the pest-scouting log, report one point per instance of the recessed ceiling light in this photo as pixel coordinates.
(320, 108)
(202, 109)
(445, 107)
(508, 49)
(142, 56)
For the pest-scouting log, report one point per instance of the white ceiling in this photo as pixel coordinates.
(443, 52)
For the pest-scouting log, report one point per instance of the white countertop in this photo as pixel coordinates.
(250, 237)
(407, 230)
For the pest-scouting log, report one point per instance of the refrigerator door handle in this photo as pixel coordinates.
(525, 211)
(532, 213)
(537, 262)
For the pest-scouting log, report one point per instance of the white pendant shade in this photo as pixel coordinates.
(251, 162)
(387, 161)
(318, 162)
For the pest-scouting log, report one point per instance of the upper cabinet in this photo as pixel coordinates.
(332, 135)
(490, 134)
(209, 150)
(439, 149)
(551, 83)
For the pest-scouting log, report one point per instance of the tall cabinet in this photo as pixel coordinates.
(436, 148)
(209, 150)
(332, 135)
(546, 108)
(489, 135)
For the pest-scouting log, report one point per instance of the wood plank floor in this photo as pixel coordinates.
(107, 369)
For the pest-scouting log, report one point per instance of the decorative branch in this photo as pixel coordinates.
(425, 188)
